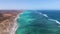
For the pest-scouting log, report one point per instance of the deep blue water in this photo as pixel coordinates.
(53, 14)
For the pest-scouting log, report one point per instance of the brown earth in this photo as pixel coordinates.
(8, 24)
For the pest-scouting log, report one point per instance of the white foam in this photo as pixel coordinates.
(50, 19)
(42, 14)
(55, 21)
(18, 16)
(45, 15)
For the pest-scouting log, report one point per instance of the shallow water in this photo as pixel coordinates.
(36, 22)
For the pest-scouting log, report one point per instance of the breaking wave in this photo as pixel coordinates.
(50, 19)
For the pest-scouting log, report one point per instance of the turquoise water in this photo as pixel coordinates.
(34, 22)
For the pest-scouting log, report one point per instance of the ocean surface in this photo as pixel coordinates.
(39, 22)
(53, 14)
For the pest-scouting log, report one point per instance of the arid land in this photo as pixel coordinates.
(8, 24)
